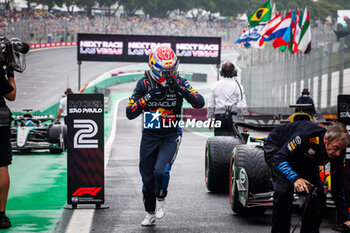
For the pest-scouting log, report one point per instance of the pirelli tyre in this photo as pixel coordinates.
(217, 162)
(56, 137)
(248, 170)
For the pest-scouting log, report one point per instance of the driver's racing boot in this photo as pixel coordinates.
(149, 220)
(160, 210)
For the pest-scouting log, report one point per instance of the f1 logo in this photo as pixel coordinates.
(88, 129)
(92, 191)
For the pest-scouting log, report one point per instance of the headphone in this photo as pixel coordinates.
(229, 74)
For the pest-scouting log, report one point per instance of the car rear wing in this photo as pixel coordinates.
(37, 117)
(300, 106)
(257, 122)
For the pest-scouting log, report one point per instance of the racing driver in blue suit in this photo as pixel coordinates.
(294, 152)
(159, 96)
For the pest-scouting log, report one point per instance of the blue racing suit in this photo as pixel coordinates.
(293, 151)
(159, 146)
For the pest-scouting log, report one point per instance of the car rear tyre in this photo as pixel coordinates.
(252, 159)
(217, 162)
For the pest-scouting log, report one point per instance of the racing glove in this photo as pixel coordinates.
(173, 84)
(155, 93)
(186, 91)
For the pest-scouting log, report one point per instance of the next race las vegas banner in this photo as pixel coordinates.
(136, 48)
(85, 149)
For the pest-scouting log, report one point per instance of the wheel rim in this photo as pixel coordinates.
(232, 180)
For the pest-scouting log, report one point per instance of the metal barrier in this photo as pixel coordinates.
(273, 80)
(107, 96)
(61, 30)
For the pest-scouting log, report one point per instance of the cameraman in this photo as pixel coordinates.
(294, 153)
(8, 90)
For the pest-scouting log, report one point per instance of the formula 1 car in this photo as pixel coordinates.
(237, 164)
(29, 132)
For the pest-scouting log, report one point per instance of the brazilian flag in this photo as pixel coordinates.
(263, 14)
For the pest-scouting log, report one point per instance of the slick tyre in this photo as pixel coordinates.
(217, 162)
(64, 135)
(252, 159)
(55, 136)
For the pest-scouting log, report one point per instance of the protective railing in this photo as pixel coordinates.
(60, 30)
(273, 80)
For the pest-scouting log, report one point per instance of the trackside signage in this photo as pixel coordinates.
(344, 117)
(136, 48)
(85, 170)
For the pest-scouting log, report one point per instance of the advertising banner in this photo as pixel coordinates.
(344, 117)
(136, 48)
(85, 169)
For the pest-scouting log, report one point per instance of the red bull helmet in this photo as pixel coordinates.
(163, 64)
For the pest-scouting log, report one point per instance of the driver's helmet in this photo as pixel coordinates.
(163, 64)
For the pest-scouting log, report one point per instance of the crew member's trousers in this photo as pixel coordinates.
(283, 197)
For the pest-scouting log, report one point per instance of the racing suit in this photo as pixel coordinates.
(294, 151)
(159, 146)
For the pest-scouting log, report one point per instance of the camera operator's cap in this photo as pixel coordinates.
(305, 91)
(68, 91)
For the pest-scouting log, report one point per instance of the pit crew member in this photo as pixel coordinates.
(294, 153)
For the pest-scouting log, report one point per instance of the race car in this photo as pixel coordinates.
(29, 132)
(237, 164)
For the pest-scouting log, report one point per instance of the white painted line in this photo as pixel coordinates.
(108, 145)
(41, 49)
(80, 221)
(199, 134)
